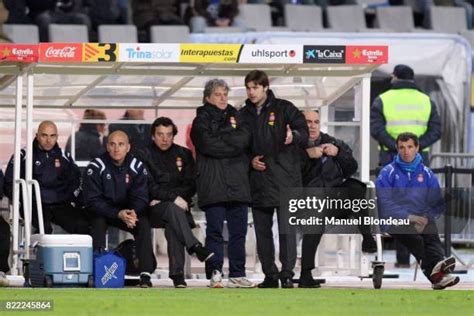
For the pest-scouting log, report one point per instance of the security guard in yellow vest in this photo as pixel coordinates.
(404, 108)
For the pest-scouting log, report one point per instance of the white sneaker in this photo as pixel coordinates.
(3, 280)
(442, 268)
(241, 282)
(216, 280)
(447, 281)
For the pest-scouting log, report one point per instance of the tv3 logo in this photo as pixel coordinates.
(104, 52)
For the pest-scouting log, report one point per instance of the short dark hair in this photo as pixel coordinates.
(258, 77)
(403, 72)
(404, 137)
(163, 121)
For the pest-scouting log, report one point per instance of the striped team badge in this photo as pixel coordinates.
(233, 122)
(271, 119)
(420, 178)
(127, 178)
(179, 163)
(57, 163)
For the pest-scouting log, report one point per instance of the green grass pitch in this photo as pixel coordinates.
(200, 301)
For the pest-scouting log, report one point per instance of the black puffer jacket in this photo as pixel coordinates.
(221, 142)
(268, 139)
(328, 171)
(171, 173)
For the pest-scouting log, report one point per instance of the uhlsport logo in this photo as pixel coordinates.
(324, 54)
(279, 54)
(109, 273)
(149, 52)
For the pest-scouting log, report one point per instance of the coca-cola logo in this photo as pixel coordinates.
(65, 52)
(22, 52)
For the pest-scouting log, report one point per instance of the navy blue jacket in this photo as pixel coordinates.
(108, 188)
(401, 193)
(58, 175)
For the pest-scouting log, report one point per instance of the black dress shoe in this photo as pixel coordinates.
(308, 283)
(179, 282)
(202, 253)
(269, 283)
(368, 244)
(286, 283)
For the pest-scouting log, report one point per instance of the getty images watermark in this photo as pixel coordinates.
(351, 210)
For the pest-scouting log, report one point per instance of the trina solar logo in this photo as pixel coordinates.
(324, 54)
(149, 52)
(279, 54)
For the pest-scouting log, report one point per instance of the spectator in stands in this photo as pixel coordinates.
(279, 131)
(171, 184)
(221, 141)
(90, 137)
(214, 13)
(116, 193)
(147, 13)
(45, 12)
(403, 108)
(138, 134)
(4, 242)
(327, 163)
(408, 190)
(59, 179)
(106, 12)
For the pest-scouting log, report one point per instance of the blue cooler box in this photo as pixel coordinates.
(61, 260)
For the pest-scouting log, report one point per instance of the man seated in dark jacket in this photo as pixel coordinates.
(221, 141)
(327, 163)
(171, 185)
(59, 179)
(4, 241)
(116, 193)
(278, 132)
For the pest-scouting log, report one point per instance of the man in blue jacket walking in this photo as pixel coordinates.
(409, 191)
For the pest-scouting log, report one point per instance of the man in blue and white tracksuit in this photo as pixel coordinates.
(408, 193)
(116, 193)
(59, 179)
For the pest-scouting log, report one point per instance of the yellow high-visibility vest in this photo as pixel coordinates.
(406, 110)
